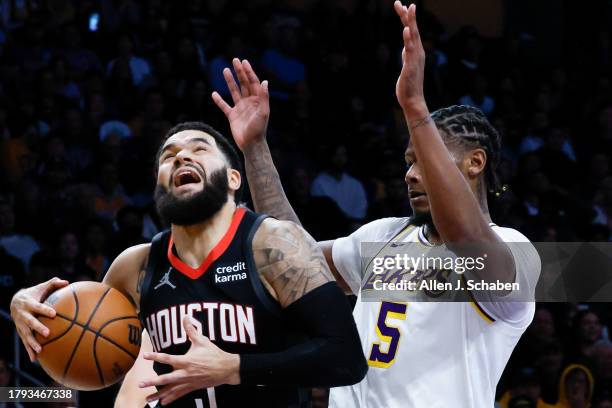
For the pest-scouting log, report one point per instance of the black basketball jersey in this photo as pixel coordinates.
(227, 298)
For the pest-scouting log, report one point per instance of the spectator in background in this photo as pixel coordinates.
(139, 67)
(80, 60)
(280, 61)
(129, 231)
(96, 248)
(587, 330)
(110, 197)
(575, 388)
(21, 246)
(334, 182)
(12, 278)
(71, 264)
(523, 384)
(234, 48)
(478, 96)
(603, 367)
(603, 204)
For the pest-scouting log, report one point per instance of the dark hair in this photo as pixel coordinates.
(470, 128)
(222, 143)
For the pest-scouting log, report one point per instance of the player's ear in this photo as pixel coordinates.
(476, 162)
(234, 179)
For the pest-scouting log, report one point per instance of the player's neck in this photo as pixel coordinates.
(194, 242)
(432, 235)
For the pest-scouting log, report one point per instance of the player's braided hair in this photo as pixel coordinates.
(469, 128)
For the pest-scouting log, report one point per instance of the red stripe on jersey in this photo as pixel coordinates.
(215, 253)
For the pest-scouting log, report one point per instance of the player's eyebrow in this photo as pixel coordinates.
(170, 146)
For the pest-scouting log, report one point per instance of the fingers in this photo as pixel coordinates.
(231, 84)
(242, 77)
(192, 332)
(34, 324)
(406, 36)
(41, 309)
(172, 377)
(264, 87)
(163, 358)
(31, 353)
(220, 102)
(402, 12)
(254, 84)
(49, 286)
(30, 343)
(412, 22)
(171, 393)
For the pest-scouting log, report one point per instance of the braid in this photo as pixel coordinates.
(469, 127)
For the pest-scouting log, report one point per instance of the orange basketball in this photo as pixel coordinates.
(94, 338)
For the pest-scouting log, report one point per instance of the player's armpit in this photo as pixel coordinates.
(127, 271)
(289, 260)
(130, 394)
(326, 248)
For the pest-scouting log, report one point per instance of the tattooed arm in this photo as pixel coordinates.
(294, 270)
(288, 260)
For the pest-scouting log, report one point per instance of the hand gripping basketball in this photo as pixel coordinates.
(26, 304)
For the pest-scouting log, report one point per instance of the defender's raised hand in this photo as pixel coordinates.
(248, 117)
(409, 87)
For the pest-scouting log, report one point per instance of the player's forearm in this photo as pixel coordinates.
(330, 356)
(455, 210)
(264, 183)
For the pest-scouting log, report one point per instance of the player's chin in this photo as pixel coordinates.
(420, 204)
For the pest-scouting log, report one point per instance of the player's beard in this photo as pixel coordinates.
(421, 218)
(196, 208)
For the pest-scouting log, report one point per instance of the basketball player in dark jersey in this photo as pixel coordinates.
(239, 309)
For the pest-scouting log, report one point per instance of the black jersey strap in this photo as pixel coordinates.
(261, 292)
(155, 253)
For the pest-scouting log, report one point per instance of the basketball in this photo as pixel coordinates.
(94, 338)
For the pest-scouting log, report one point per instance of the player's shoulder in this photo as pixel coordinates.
(382, 228)
(509, 234)
(131, 259)
(135, 252)
(275, 233)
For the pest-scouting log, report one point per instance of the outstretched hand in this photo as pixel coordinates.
(409, 87)
(248, 117)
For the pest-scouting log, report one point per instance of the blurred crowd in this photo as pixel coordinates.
(88, 88)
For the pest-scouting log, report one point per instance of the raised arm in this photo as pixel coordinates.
(460, 219)
(248, 120)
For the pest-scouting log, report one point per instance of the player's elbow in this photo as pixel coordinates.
(351, 366)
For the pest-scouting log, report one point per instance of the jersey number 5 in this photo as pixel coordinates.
(384, 357)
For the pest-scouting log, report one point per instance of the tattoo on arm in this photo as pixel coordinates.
(141, 274)
(289, 260)
(421, 122)
(265, 185)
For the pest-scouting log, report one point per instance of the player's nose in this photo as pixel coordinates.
(184, 156)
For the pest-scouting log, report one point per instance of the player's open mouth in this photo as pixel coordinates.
(415, 194)
(185, 176)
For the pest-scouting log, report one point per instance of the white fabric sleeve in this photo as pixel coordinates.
(527, 263)
(346, 251)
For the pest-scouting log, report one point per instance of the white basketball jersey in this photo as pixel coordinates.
(431, 354)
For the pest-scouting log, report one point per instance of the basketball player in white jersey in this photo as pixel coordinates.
(421, 354)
